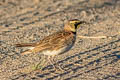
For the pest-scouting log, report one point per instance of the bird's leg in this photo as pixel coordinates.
(51, 61)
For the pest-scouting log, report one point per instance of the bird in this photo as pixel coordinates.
(56, 43)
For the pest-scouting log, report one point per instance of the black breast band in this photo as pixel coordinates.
(74, 32)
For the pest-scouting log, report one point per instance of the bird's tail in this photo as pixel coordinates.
(25, 45)
(31, 46)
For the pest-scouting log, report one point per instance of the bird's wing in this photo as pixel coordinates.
(55, 41)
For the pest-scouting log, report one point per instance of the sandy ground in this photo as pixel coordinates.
(31, 20)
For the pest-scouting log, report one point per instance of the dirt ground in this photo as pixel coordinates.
(24, 21)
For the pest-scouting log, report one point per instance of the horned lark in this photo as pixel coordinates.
(56, 43)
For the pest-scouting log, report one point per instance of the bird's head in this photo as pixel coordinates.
(73, 25)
